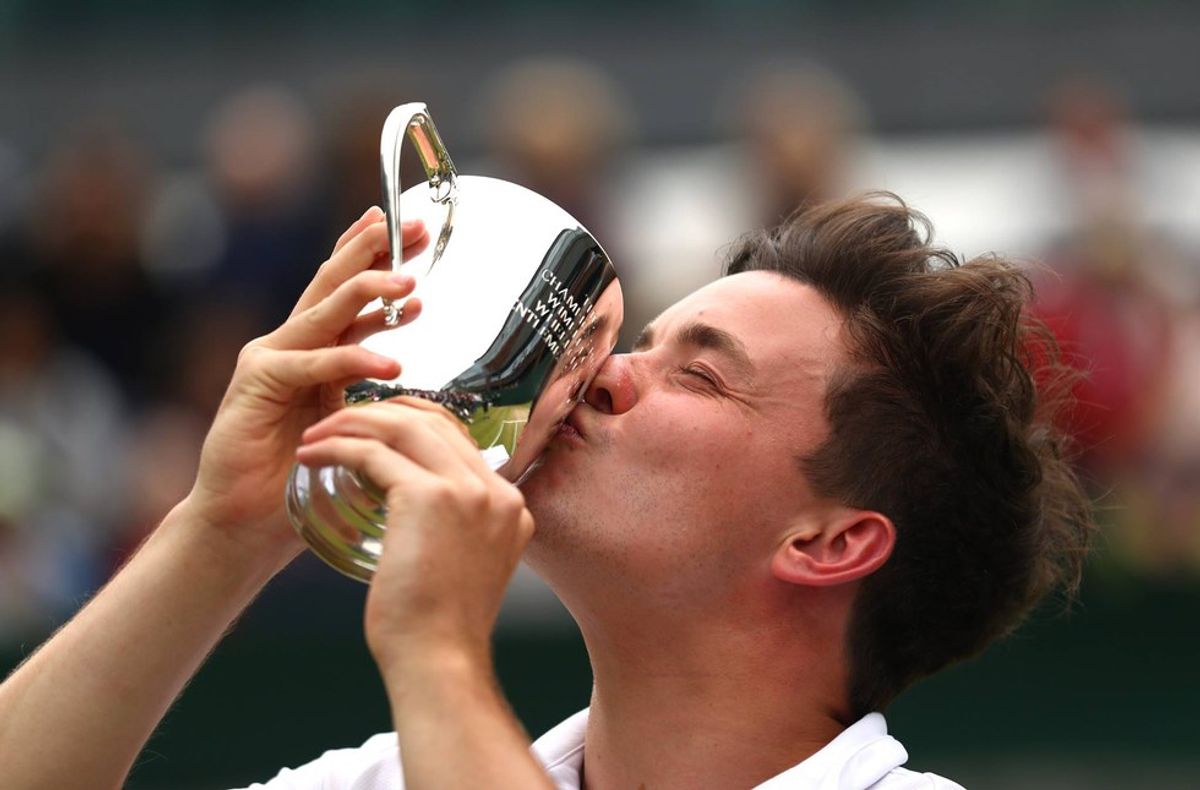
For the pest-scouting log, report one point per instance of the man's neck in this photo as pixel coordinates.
(677, 706)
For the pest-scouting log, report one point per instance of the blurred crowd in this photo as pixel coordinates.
(128, 285)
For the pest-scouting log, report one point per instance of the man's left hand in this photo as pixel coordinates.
(455, 528)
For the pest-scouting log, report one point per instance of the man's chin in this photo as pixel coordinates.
(547, 472)
(537, 485)
(547, 488)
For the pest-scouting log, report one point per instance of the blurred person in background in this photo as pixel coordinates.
(193, 358)
(354, 117)
(83, 238)
(559, 127)
(794, 132)
(562, 127)
(1168, 542)
(230, 246)
(802, 125)
(1103, 301)
(61, 464)
(813, 483)
(12, 188)
(1119, 300)
(260, 147)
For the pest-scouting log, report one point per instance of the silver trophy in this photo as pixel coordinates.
(521, 306)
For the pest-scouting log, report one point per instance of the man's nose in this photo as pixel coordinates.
(612, 390)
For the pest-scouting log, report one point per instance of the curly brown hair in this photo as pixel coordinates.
(942, 422)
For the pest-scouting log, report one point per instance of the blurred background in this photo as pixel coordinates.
(172, 174)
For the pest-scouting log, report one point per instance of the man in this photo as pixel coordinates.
(814, 482)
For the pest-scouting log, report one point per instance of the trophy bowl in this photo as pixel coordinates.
(520, 308)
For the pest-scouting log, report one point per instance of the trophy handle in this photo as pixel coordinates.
(414, 119)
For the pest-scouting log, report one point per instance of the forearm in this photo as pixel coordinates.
(77, 713)
(455, 533)
(455, 728)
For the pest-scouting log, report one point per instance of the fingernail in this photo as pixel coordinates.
(400, 279)
(410, 224)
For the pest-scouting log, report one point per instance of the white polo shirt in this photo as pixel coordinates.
(863, 756)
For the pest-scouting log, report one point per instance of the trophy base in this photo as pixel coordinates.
(340, 516)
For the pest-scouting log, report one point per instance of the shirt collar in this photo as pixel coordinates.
(561, 751)
(859, 756)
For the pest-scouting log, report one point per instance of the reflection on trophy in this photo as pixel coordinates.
(521, 307)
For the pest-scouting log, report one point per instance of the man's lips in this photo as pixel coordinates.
(575, 421)
(572, 429)
(568, 432)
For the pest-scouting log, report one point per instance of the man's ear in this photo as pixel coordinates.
(840, 547)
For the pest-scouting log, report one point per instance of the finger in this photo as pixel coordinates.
(383, 466)
(376, 321)
(414, 434)
(526, 526)
(359, 254)
(454, 429)
(356, 255)
(446, 419)
(282, 372)
(369, 217)
(438, 416)
(323, 323)
(414, 245)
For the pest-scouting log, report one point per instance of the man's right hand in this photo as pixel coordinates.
(290, 379)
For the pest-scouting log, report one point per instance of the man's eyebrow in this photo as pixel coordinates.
(701, 335)
(645, 338)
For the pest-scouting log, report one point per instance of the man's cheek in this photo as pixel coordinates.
(711, 443)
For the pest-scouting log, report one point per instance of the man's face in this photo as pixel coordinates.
(682, 464)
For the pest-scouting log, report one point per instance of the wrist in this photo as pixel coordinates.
(432, 667)
(242, 552)
(454, 725)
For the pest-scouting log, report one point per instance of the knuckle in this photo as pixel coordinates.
(366, 284)
(314, 316)
(398, 418)
(394, 434)
(510, 501)
(250, 355)
(475, 496)
(377, 234)
(311, 366)
(526, 526)
(443, 495)
(376, 451)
